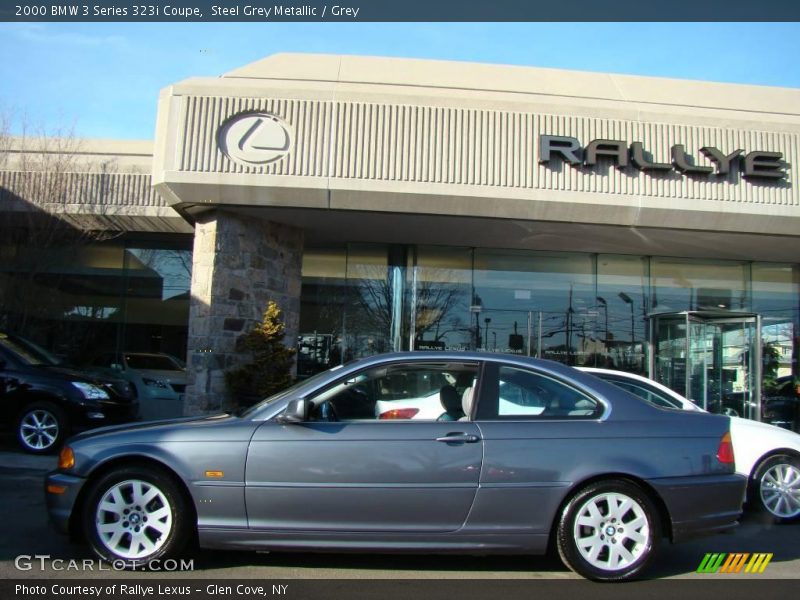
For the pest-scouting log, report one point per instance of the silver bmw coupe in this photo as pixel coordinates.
(525, 453)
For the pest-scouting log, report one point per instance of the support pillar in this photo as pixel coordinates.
(239, 263)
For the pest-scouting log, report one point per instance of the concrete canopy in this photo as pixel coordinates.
(366, 149)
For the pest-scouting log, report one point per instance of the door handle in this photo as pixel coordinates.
(459, 438)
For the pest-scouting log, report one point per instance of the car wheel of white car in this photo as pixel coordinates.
(41, 427)
(776, 487)
(134, 515)
(608, 531)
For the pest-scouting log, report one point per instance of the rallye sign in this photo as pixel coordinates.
(757, 164)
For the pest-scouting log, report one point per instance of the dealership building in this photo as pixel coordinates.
(644, 224)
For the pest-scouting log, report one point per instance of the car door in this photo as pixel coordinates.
(347, 469)
(540, 435)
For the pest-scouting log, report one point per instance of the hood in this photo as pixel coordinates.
(72, 374)
(163, 375)
(152, 426)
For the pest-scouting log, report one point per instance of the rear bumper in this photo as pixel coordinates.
(700, 506)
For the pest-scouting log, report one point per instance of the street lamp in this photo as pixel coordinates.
(602, 302)
(628, 300)
(487, 320)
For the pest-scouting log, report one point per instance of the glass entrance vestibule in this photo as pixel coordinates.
(712, 358)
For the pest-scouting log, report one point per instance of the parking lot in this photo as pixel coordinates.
(26, 532)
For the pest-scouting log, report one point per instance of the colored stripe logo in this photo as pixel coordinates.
(734, 562)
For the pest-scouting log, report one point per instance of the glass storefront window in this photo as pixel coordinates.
(79, 300)
(535, 303)
(621, 305)
(441, 284)
(374, 291)
(693, 284)
(776, 297)
(322, 303)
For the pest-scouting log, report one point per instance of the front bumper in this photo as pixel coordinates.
(700, 506)
(60, 505)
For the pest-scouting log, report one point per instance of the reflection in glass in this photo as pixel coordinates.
(536, 303)
(441, 283)
(622, 302)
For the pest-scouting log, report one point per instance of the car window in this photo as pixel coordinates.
(24, 351)
(404, 391)
(530, 395)
(645, 392)
(155, 362)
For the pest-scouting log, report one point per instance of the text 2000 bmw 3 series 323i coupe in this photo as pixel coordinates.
(524, 453)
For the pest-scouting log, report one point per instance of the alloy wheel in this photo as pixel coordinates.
(38, 429)
(780, 490)
(133, 519)
(611, 531)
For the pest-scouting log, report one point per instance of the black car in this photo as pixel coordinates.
(44, 402)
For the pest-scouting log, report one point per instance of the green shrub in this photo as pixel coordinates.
(269, 370)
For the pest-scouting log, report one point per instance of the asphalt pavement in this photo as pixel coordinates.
(27, 533)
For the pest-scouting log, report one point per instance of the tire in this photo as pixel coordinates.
(775, 488)
(135, 515)
(41, 428)
(608, 531)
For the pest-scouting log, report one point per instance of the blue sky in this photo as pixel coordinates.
(103, 79)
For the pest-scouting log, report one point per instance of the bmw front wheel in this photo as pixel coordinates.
(608, 531)
(135, 515)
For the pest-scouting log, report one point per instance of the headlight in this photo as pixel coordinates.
(154, 382)
(89, 391)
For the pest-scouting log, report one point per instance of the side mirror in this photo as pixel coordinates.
(296, 411)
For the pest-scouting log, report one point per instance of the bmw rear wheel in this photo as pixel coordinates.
(776, 487)
(135, 515)
(608, 531)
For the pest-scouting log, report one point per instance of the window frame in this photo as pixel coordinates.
(488, 403)
(419, 363)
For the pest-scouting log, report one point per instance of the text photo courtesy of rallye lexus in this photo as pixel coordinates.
(43, 402)
(603, 476)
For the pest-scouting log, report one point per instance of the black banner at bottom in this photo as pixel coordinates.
(397, 589)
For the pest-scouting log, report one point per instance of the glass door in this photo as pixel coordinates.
(711, 358)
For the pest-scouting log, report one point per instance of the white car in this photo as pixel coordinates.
(767, 455)
(158, 379)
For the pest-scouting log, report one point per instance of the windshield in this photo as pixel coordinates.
(28, 351)
(151, 362)
(310, 382)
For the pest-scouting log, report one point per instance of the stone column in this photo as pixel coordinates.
(239, 263)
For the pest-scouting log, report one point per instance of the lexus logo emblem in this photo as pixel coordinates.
(254, 138)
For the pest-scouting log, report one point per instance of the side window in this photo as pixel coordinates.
(526, 394)
(646, 394)
(404, 391)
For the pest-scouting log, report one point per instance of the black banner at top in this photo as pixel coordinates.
(399, 10)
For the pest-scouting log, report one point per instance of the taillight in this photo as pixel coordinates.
(725, 450)
(66, 458)
(399, 413)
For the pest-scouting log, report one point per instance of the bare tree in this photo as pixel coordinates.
(439, 305)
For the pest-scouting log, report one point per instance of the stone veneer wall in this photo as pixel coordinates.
(239, 264)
